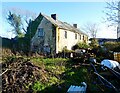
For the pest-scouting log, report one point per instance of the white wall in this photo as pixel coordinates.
(70, 41)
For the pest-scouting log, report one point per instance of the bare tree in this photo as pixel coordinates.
(113, 15)
(91, 29)
(113, 12)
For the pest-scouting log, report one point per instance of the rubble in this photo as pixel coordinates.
(110, 81)
(18, 74)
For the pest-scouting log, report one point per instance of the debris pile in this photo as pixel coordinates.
(107, 77)
(19, 74)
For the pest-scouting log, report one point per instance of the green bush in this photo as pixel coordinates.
(102, 53)
(112, 46)
(66, 50)
(80, 45)
(94, 43)
(37, 86)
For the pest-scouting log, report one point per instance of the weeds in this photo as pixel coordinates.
(47, 75)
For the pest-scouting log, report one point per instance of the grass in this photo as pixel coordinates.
(60, 75)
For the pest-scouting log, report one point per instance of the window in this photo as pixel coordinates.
(35, 47)
(65, 34)
(66, 47)
(80, 37)
(75, 36)
(40, 32)
(87, 38)
(83, 37)
(53, 31)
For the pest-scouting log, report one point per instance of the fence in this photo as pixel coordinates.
(117, 56)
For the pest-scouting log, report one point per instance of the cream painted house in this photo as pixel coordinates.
(53, 35)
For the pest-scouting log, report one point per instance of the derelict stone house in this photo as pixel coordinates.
(53, 35)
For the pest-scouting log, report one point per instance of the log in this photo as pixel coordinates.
(96, 72)
(107, 82)
(117, 74)
(4, 72)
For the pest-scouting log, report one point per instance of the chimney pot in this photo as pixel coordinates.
(54, 16)
(75, 25)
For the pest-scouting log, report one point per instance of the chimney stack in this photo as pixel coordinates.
(75, 25)
(54, 16)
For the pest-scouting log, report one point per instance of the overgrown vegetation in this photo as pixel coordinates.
(52, 75)
(21, 43)
(112, 46)
(6, 43)
(42, 75)
(80, 45)
(48, 75)
(31, 30)
(94, 43)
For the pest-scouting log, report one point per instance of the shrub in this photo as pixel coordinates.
(94, 43)
(80, 45)
(112, 46)
(66, 50)
(37, 86)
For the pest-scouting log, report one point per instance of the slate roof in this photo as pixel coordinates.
(63, 25)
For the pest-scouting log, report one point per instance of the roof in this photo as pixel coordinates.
(63, 25)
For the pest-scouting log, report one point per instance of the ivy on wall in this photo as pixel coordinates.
(31, 30)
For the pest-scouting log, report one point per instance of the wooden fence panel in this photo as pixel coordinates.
(117, 56)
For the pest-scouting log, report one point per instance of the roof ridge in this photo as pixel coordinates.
(63, 25)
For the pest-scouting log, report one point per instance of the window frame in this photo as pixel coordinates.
(65, 34)
(75, 35)
(80, 37)
(83, 37)
(40, 32)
